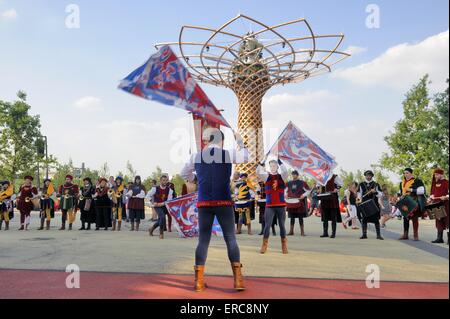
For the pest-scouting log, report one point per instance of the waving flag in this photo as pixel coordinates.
(303, 154)
(184, 211)
(163, 78)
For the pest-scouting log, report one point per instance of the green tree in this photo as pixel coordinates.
(19, 134)
(440, 147)
(412, 143)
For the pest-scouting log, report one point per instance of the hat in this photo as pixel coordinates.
(47, 180)
(28, 177)
(87, 179)
(119, 177)
(101, 179)
(408, 170)
(69, 176)
(439, 171)
(243, 175)
(369, 172)
(295, 172)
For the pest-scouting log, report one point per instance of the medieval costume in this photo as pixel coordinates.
(261, 193)
(439, 194)
(27, 193)
(47, 204)
(369, 190)
(6, 203)
(329, 205)
(119, 209)
(213, 166)
(415, 189)
(86, 204)
(275, 186)
(102, 205)
(68, 194)
(159, 195)
(136, 203)
(298, 190)
(244, 195)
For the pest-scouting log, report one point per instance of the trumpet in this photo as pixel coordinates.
(67, 196)
(27, 199)
(45, 196)
(81, 198)
(111, 192)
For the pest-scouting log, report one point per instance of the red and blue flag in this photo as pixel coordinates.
(300, 152)
(163, 78)
(185, 212)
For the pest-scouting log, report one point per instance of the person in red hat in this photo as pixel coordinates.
(68, 194)
(27, 193)
(439, 194)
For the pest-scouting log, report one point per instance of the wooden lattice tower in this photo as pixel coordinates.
(251, 65)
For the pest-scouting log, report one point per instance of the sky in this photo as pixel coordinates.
(71, 74)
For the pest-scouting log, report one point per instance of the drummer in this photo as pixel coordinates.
(297, 192)
(413, 187)
(261, 195)
(439, 194)
(244, 194)
(370, 190)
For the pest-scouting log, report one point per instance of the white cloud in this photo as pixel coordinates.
(89, 103)
(9, 14)
(354, 50)
(403, 65)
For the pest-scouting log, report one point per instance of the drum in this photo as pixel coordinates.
(436, 210)
(368, 208)
(407, 206)
(324, 196)
(293, 203)
(36, 203)
(242, 204)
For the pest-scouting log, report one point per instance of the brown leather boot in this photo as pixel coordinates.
(137, 226)
(119, 225)
(70, 226)
(132, 226)
(284, 245)
(47, 225)
(405, 236)
(113, 226)
(239, 229)
(291, 231)
(199, 278)
(264, 246)
(161, 236)
(6, 225)
(238, 279)
(63, 226)
(302, 230)
(151, 230)
(42, 225)
(416, 229)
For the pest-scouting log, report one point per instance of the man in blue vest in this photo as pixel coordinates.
(213, 167)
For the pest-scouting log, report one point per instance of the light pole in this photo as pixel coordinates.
(46, 157)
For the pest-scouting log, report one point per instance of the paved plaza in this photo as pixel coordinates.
(32, 256)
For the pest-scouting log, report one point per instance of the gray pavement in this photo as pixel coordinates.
(345, 257)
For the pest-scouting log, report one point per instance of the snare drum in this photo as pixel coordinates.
(368, 208)
(324, 196)
(293, 203)
(242, 204)
(407, 206)
(436, 210)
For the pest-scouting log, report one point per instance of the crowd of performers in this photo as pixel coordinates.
(233, 200)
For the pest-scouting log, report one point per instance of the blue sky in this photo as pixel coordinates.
(346, 112)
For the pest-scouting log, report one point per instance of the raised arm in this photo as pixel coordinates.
(262, 173)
